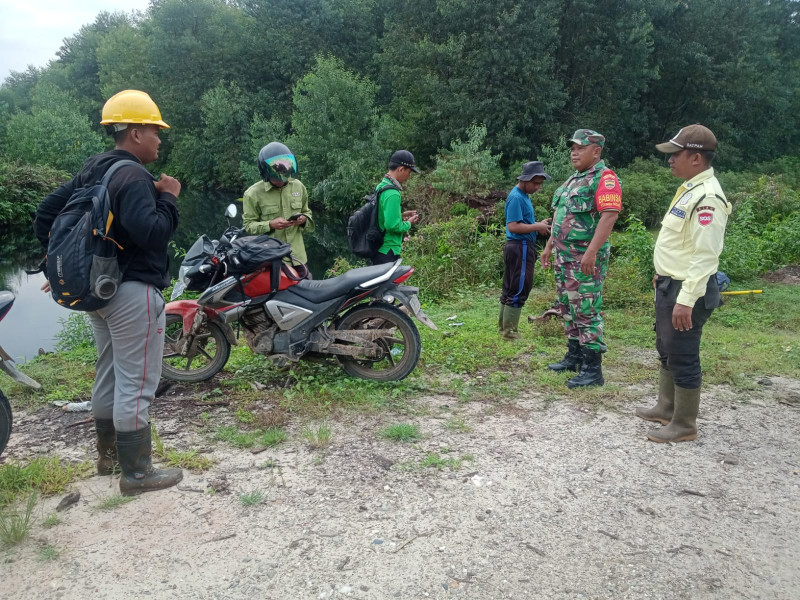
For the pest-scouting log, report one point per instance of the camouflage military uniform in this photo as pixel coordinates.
(577, 205)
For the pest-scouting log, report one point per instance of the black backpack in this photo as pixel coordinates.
(363, 234)
(82, 266)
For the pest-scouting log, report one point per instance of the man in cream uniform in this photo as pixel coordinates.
(686, 292)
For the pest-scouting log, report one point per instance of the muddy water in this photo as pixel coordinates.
(35, 319)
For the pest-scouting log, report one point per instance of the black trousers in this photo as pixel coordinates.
(519, 258)
(382, 259)
(679, 351)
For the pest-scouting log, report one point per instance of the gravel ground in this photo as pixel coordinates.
(550, 500)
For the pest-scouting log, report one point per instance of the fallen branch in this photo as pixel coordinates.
(613, 536)
(218, 403)
(220, 538)
(684, 547)
(693, 493)
(84, 422)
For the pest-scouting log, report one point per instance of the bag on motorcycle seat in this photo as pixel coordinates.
(82, 265)
(364, 236)
(250, 253)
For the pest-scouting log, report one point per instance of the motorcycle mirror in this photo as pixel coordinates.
(231, 211)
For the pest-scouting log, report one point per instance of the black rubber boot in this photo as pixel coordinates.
(500, 318)
(106, 446)
(138, 475)
(591, 370)
(572, 359)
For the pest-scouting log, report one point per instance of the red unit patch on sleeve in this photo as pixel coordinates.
(609, 194)
(705, 218)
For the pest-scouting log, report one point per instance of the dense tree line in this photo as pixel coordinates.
(346, 81)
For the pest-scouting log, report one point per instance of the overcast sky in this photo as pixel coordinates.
(31, 31)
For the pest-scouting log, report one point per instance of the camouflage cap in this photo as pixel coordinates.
(584, 137)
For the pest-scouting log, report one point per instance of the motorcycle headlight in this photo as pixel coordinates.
(182, 274)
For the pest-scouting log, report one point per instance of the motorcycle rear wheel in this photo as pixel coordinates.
(209, 353)
(6, 420)
(401, 350)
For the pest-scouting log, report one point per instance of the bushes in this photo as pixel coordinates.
(455, 254)
(647, 188)
(763, 231)
(22, 187)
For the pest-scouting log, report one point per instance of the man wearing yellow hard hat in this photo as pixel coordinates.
(129, 330)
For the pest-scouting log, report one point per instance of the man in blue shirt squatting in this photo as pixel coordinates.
(519, 253)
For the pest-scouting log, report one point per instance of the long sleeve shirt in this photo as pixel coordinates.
(390, 218)
(264, 202)
(692, 234)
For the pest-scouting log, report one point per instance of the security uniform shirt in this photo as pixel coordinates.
(264, 202)
(578, 204)
(692, 232)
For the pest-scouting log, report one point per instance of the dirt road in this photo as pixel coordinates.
(545, 500)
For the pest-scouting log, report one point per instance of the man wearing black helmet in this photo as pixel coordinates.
(278, 205)
(392, 220)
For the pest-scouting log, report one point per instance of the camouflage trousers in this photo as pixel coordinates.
(580, 297)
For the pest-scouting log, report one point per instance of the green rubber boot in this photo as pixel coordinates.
(665, 405)
(683, 426)
(500, 318)
(138, 475)
(106, 446)
(511, 317)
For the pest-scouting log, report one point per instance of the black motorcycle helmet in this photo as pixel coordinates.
(276, 161)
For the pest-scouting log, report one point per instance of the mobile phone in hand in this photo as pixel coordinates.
(295, 217)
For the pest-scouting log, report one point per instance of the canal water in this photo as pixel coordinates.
(35, 318)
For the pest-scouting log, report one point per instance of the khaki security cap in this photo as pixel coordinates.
(693, 137)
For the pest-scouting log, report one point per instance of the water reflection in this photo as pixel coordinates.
(34, 319)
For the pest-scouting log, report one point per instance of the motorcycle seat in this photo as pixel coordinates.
(322, 290)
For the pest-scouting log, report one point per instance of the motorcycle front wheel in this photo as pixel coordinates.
(208, 354)
(401, 349)
(6, 421)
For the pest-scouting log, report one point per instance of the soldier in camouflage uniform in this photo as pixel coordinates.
(585, 209)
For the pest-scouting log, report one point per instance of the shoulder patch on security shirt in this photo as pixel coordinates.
(681, 214)
(295, 193)
(609, 194)
(711, 208)
(705, 218)
(685, 198)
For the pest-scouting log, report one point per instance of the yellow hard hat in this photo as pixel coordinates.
(132, 106)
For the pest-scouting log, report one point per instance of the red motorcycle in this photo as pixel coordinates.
(360, 318)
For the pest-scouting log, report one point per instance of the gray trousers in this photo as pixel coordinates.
(129, 332)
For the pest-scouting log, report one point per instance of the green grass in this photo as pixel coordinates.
(251, 498)
(48, 553)
(402, 432)
(16, 520)
(319, 437)
(51, 521)
(113, 502)
(248, 439)
(749, 337)
(457, 424)
(438, 462)
(185, 459)
(46, 475)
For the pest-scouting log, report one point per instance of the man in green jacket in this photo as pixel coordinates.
(278, 205)
(391, 219)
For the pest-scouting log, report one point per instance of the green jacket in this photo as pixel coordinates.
(264, 202)
(390, 218)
